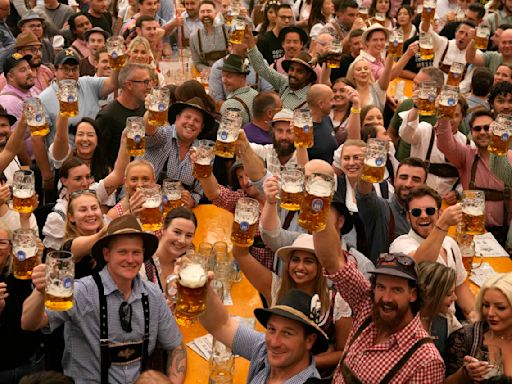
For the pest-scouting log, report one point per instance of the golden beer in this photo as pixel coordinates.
(473, 220)
(68, 109)
(168, 205)
(363, 14)
(236, 36)
(116, 62)
(58, 298)
(228, 19)
(467, 261)
(225, 149)
(447, 110)
(242, 234)
(23, 200)
(426, 106)
(24, 263)
(454, 77)
(428, 14)
(151, 216)
(39, 130)
(202, 171)
(157, 115)
(373, 173)
(333, 61)
(481, 42)
(291, 200)
(303, 136)
(313, 212)
(396, 49)
(499, 143)
(136, 145)
(192, 288)
(426, 52)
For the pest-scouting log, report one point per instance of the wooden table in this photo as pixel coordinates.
(214, 224)
(499, 264)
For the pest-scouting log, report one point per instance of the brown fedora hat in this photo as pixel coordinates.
(125, 225)
(27, 39)
(302, 58)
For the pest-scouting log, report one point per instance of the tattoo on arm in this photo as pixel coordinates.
(177, 364)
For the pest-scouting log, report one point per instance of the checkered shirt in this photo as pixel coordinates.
(370, 362)
(290, 99)
(227, 200)
(247, 95)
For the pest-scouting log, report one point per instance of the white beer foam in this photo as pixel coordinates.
(23, 193)
(292, 188)
(472, 211)
(320, 188)
(203, 161)
(151, 203)
(193, 276)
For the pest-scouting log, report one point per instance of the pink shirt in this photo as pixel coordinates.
(462, 157)
(81, 48)
(43, 78)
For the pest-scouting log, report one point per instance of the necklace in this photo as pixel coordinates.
(501, 337)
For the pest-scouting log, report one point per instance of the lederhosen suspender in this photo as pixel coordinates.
(440, 169)
(491, 194)
(215, 55)
(446, 67)
(349, 377)
(105, 355)
(246, 108)
(298, 106)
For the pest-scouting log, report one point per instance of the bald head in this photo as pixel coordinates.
(323, 43)
(320, 98)
(317, 92)
(5, 9)
(505, 44)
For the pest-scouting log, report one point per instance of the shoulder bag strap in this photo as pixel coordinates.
(391, 226)
(288, 219)
(356, 334)
(405, 358)
(104, 356)
(301, 104)
(225, 37)
(246, 108)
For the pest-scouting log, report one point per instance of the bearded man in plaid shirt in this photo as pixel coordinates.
(387, 343)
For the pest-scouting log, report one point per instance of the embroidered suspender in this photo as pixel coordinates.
(246, 108)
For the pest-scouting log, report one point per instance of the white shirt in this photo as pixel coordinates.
(12, 220)
(418, 135)
(269, 155)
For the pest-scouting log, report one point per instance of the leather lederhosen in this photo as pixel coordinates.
(350, 378)
(125, 353)
(440, 169)
(212, 57)
(446, 67)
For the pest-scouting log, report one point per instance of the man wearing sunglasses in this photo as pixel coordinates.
(428, 239)
(388, 342)
(473, 166)
(138, 317)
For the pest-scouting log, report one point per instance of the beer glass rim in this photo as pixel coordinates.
(248, 200)
(24, 172)
(68, 81)
(473, 193)
(168, 180)
(428, 83)
(115, 38)
(157, 187)
(24, 230)
(59, 254)
(206, 143)
(155, 90)
(134, 118)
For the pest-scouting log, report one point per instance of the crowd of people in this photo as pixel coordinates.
(378, 293)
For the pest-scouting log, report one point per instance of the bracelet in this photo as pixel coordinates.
(441, 229)
(355, 110)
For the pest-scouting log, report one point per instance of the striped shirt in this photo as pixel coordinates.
(162, 150)
(251, 345)
(247, 95)
(290, 99)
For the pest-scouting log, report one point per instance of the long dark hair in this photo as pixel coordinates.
(270, 4)
(316, 15)
(99, 168)
(373, 10)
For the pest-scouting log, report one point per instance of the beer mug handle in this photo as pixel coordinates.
(170, 288)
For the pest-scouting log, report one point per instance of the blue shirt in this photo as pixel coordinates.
(251, 345)
(81, 358)
(7, 42)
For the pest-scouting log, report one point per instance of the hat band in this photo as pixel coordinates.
(297, 313)
(126, 231)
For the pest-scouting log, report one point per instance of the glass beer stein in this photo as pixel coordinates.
(333, 60)
(245, 223)
(171, 195)
(374, 164)
(33, 111)
(317, 199)
(448, 99)
(151, 213)
(292, 188)
(221, 364)
(116, 52)
(24, 191)
(473, 212)
(500, 136)
(303, 128)
(455, 74)
(68, 98)
(227, 134)
(483, 31)
(363, 13)
(427, 98)
(396, 44)
(24, 250)
(135, 136)
(428, 11)
(237, 32)
(205, 154)
(158, 105)
(60, 274)
(426, 45)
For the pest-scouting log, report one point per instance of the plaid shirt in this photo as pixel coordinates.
(370, 362)
(227, 200)
(290, 99)
(163, 147)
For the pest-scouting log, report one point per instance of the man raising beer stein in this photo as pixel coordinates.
(115, 350)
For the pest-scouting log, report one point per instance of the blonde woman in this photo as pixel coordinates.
(139, 52)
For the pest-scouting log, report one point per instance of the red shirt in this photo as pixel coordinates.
(370, 362)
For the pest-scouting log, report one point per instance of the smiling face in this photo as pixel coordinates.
(497, 310)
(503, 73)
(140, 175)
(124, 256)
(5, 131)
(86, 214)
(233, 81)
(178, 237)
(303, 268)
(503, 104)
(86, 140)
(282, 138)
(95, 41)
(207, 13)
(352, 157)
(340, 100)
(505, 43)
(292, 45)
(481, 139)
(298, 76)
(139, 55)
(103, 65)
(376, 43)
(424, 224)
(79, 178)
(374, 116)
(189, 124)
(245, 183)
(449, 299)
(408, 177)
(361, 72)
(21, 76)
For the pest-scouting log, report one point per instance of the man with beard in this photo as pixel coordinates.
(210, 43)
(28, 44)
(387, 342)
(264, 108)
(320, 98)
(473, 166)
(384, 220)
(234, 80)
(191, 21)
(293, 40)
(292, 87)
(428, 239)
(20, 81)
(489, 59)
(269, 43)
(452, 51)
(500, 98)
(79, 23)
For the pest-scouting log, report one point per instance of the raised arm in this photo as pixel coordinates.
(386, 74)
(60, 147)
(259, 276)
(111, 84)
(328, 249)
(454, 151)
(402, 62)
(15, 142)
(34, 316)
(354, 119)
(209, 184)
(253, 164)
(409, 129)
(81, 246)
(472, 55)
(269, 219)
(115, 178)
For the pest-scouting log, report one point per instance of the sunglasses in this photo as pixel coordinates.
(416, 212)
(125, 316)
(402, 260)
(478, 128)
(82, 192)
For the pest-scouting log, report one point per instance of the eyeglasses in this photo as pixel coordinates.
(32, 50)
(389, 257)
(145, 82)
(80, 193)
(68, 70)
(125, 316)
(478, 128)
(416, 212)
